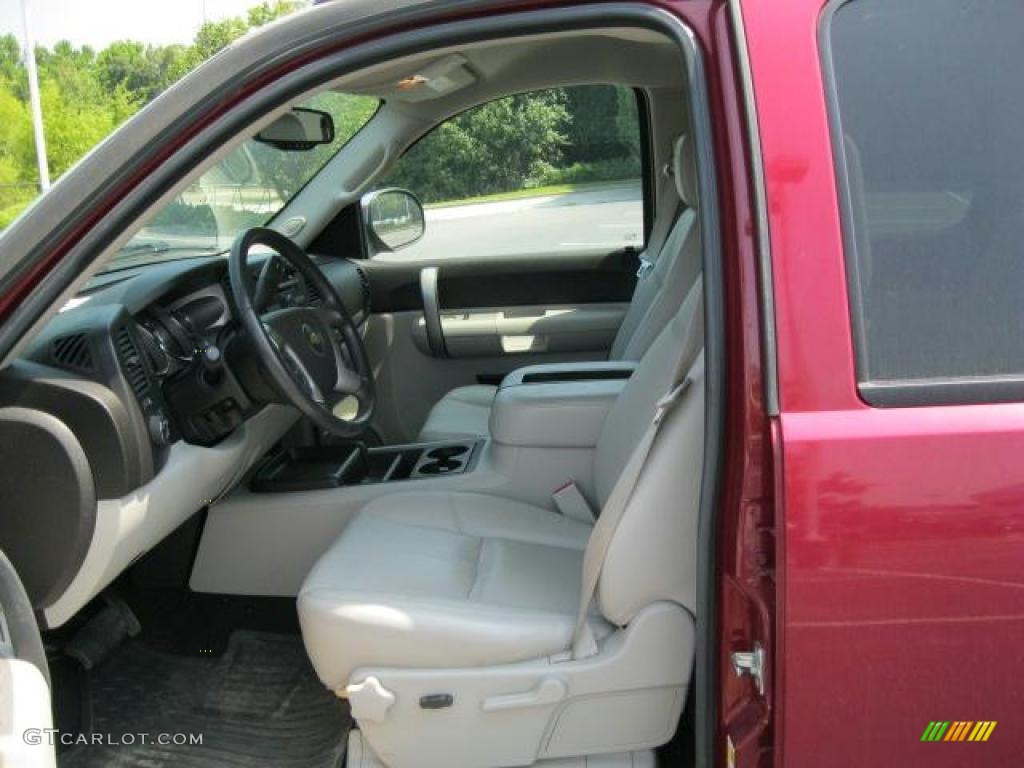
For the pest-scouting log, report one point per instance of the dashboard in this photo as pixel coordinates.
(140, 402)
(163, 339)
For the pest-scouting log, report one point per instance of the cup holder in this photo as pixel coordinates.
(440, 467)
(444, 460)
(447, 452)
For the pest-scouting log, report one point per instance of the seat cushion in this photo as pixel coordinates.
(443, 580)
(463, 412)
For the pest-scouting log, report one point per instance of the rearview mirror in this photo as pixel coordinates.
(298, 130)
(394, 218)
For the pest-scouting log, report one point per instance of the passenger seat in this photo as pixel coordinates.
(664, 283)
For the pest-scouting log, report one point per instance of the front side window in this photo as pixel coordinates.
(927, 126)
(543, 173)
(245, 189)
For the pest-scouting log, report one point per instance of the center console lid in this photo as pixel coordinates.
(557, 406)
(567, 372)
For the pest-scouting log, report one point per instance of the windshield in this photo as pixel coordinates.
(245, 189)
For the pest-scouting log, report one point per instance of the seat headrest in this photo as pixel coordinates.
(684, 171)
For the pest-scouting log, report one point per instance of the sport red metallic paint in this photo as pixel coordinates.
(902, 595)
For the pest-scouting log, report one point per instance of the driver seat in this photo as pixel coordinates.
(449, 619)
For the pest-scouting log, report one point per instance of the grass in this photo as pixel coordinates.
(519, 194)
(11, 212)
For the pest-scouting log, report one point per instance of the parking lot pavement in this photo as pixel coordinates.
(592, 219)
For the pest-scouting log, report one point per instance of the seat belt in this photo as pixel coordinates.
(583, 641)
(665, 217)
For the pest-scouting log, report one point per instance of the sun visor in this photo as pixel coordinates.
(439, 78)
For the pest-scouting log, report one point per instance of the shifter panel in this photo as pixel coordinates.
(348, 464)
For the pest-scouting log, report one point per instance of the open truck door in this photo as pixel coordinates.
(26, 722)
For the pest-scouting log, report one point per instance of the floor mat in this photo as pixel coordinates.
(260, 704)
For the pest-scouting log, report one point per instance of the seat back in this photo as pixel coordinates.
(675, 266)
(652, 554)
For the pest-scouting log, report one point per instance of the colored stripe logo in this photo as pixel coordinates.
(959, 730)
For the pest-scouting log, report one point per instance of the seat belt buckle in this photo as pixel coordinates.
(646, 265)
(571, 502)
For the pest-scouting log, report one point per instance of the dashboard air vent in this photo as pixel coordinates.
(131, 363)
(313, 297)
(364, 281)
(73, 352)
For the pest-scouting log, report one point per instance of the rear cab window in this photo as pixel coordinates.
(927, 121)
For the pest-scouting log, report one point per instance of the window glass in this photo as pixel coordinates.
(245, 189)
(547, 172)
(928, 119)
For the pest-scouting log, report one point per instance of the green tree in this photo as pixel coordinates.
(286, 172)
(143, 71)
(124, 63)
(14, 135)
(86, 95)
(594, 139)
(266, 12)
(11, 70)
(504, 145)
(72, 127)
(74, 69)
(216, 35)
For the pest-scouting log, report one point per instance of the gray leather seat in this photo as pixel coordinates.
(474, 597)
(465, 411)
(467, 580)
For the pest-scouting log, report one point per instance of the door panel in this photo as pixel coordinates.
(513, 331)
(410, 381)
(506, 281)
(496, 314)
(536, 205)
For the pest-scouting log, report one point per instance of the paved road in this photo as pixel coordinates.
(593, 219)
(604, 218)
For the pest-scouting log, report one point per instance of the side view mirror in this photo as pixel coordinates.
(299, 130)
(394, 218)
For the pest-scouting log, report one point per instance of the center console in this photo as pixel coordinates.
(336, 466)
(557, 406)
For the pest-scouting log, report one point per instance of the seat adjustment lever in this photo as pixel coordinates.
(550, 690)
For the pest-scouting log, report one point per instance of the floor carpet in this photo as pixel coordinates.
(258, 704)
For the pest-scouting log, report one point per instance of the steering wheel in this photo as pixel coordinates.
(314, 354)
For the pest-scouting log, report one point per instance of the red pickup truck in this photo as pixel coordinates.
(337, 428)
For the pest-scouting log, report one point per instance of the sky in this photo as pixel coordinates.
(100, 22)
